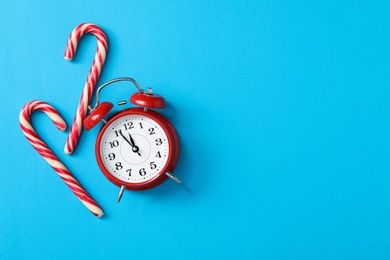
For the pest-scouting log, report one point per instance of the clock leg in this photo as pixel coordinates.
(173, 177)
(123, 187)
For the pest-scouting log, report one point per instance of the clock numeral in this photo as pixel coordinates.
(111, 156)
(114, 143)
(140, 125)
(153, 165)
(158, 155)
(129, 171)
(151, 131)
(129, 125)
(142, 172)
(158, 141)
(118, 133)
(119, 166)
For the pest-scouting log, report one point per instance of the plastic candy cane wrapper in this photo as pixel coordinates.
(93, 76)
(49, 156)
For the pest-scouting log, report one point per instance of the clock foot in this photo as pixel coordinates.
(173, 177)
(123, 187)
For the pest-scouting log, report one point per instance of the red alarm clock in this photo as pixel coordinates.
(137, 148)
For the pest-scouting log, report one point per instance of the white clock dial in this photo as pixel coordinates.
(134, 148)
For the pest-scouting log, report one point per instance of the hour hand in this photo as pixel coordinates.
(135, 148)
(131, 141)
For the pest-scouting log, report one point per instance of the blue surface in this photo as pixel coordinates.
(283, 114)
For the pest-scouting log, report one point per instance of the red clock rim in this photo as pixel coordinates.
(172, 155)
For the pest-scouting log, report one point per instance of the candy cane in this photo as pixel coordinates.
(92, 78)
(49, 156)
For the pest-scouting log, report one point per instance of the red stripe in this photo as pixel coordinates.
(85, 197)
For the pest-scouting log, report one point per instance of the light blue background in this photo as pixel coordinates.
(282, 108)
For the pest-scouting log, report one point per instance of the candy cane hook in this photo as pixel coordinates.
(49, 156)
(93, 76)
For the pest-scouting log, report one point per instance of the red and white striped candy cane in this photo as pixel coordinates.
(49, 156)
(92, 78)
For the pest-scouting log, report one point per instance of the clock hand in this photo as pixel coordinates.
(134, 148)
(125, 139)
(131, 140)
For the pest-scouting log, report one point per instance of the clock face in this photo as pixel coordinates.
(134, 148)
